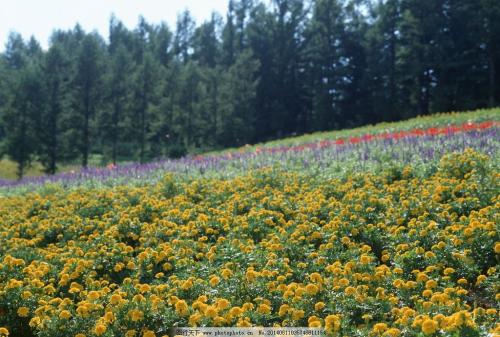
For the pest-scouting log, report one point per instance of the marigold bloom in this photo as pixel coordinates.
(319, 306)
(148, 333)
(312, 289)
(65, 314)
(332, 323)
(214, 280)
(429, 326)
(115, 299)
(135, 315)
(23, 311)
(100, 329)
(181, 307)
(264, 309)
(379, 328)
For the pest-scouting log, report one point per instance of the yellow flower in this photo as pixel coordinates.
(480, 279)
(219, 320)
(318, 306)
(332, 323)
(4, 331)
(283, 310)
(34, 322)
(392, 332)
(314, 322)
(115, 299)
(194, 319)
(248, 306)
(226, 273)
(214, 280)
(23, 312)
(429, 326)
(130, 333)
(211, 311)
(148, 333)
(264, 309)
(93, 295)
(186, 285)
(497, 248)
(144, 288)
(118, 267)
(223, 304)
(312, 289)
(181, 308)
(430, 284)
(244, 322)
(365, 259)
(236, 311)
(109, 317)
(26, 294)
(65, 314)
(135, 315)
(297, 314)
(316, 278)
(379, 328)
(100, 329)
(251, 275)
(491, 311)
(343, 282)
(448, 271)
(350, 291)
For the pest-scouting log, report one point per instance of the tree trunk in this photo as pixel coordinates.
(114, 135)
(392, 74)
(141, 155)
(85, 147)
(53, 134)
(143, 130)
(491, 78)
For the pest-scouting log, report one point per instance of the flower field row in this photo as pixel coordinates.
(329, 158)
(397, 253)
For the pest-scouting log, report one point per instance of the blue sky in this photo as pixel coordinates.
(41, 17)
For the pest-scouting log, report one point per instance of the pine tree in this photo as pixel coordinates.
(118, 96)
(238, 98)
(325, 52)
(49, 120)
(87, 92)
(184, 36)
(20, 117)
(145, 80)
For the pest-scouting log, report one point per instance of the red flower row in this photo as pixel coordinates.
(433, 131)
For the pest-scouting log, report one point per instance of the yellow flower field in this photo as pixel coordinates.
(392, 254)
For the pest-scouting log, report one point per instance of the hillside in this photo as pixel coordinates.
(327, 152)
(388, 230)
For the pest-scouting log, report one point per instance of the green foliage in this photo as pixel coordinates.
(264, 71)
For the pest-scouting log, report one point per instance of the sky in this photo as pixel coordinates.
(40, 17)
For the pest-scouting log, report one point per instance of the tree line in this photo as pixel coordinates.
(261, 71)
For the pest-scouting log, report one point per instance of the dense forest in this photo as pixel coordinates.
(262, 70)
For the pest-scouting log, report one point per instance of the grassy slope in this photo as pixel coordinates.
(435, 120)
(8, 167)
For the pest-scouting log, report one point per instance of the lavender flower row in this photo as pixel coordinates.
(411, 149)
